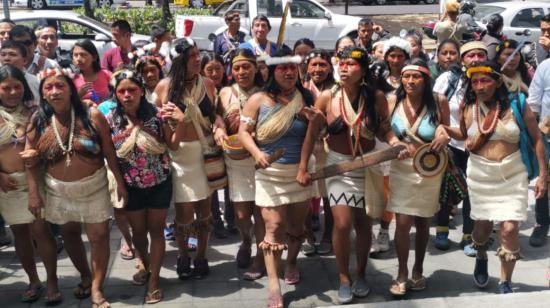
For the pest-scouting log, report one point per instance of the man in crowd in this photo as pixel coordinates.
(368, 33)
(34, 62)
(5, 27)
(15, 53)
(48, 46)
(539, 101)
(540, 50)
(115, 57)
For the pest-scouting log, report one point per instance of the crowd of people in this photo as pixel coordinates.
(128, 134)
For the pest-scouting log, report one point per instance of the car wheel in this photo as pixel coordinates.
(429, 1)
(37, 4)
(380, 2)
(104, 3)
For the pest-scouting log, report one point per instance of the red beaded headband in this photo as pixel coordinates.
(415, 68)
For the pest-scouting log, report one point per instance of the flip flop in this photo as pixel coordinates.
(82, 292)
(54, 300)
(126, 254)
(254, 274)
(292, 277)
(153, 297)
(32, 294)
(102, 303)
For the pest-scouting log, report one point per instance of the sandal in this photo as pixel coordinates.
(32, 294)
(398, 288)
(82, 292)
(153, 297)
(126, 253)
(102, 303)
(140, 278)
(254, 274)
(275, 301)
(417, 285)
(53, 299)
(292, 277)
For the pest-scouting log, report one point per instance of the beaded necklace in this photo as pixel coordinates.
(493, 123)
(354, 123)
(67, 151)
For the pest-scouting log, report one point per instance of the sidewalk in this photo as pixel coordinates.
(449, 279)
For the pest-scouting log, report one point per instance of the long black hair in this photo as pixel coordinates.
(427, 95)
(10, 71)
(45, 111)
(209, 56)
(245, 52)
(178, 70)
(140, 66)
(272, 87)
(146, 110)
(501, 93)
(522, 68)
(366, 89)
(90, 48)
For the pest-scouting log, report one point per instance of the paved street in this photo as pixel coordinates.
(449, 276)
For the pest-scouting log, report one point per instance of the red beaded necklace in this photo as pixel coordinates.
(493, 123)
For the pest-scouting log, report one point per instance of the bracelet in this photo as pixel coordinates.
(248, 120)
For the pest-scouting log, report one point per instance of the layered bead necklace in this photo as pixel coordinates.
(483, 129)
(66, 150)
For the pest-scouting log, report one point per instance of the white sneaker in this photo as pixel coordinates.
(383, 240)
(374, 248)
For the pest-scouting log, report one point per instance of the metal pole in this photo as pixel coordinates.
(6, 5)
(346, 7)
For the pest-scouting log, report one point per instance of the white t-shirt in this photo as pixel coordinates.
(440, 87)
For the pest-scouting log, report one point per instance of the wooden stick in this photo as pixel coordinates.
(364, 161)
(273, 157)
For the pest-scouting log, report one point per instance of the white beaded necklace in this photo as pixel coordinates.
(67, 151)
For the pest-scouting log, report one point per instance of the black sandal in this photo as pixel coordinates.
(82, 292)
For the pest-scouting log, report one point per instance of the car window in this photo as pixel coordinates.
(72, 30)
(528, 18)
(484, 11)
(32, 23)
(222, 8)
(270, 8)
(305, 9)
(242, 8)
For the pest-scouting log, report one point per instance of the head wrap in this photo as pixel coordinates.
(357, 53)
(471, 46)
(181, 45)
(55, 72)
(399, 43)
(419, 68)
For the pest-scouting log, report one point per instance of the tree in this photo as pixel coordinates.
(88, 9)
(166, 14)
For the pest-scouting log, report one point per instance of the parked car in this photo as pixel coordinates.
(384, 2)
(307, 18)
(197, 3)
(43, 4)
(517, 15)
(71, 27)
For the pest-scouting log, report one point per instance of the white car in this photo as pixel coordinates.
(307, 18)
(517, 15)
(71, 27)
(43, 4)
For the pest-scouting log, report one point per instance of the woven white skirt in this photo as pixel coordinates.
(14, 204)
(497, 190)
(411, 194)
(360, 188)
(241, 179)
(86, 200)
(188, 174)
(276, 185)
